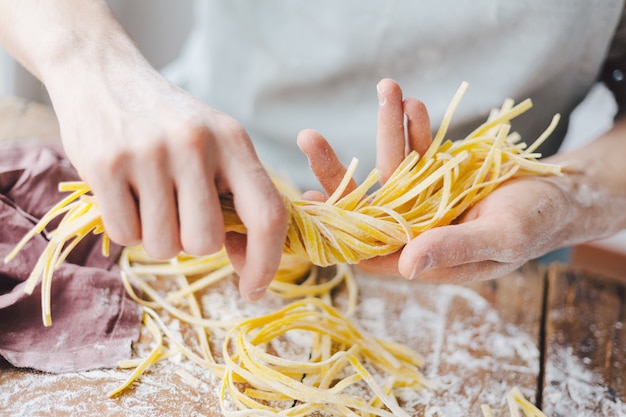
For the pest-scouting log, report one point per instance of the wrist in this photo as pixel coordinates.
(594, 185)
(82, 42)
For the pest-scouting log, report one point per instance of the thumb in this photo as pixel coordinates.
(455, 246)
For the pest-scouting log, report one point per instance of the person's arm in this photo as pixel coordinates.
(155, 157)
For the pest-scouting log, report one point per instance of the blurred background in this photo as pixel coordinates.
(161, 27)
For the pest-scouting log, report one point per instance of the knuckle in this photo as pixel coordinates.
(161, 250)
(238, 132)
(109, 164)
(233, 129)
(199, 246)
(192, 136)
(151, 151)
(123, 235)
(275, 216)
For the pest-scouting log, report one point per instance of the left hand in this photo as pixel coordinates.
(518, 221)
(403, 126)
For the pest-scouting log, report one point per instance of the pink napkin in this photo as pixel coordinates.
(93, 321)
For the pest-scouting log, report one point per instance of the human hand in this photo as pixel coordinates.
(403, 126)
(529, 217)
(157, 160)
(512, 225)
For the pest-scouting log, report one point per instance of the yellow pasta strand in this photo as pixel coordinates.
(515, 401)
(486, 410)
(152, 357)
(515, 398)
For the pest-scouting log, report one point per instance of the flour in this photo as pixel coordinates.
(159, 392)
(587, 395)
(471, 354)
(224, 303)
(61, 339)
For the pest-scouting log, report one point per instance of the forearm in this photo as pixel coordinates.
(55, 40)
(595, 184)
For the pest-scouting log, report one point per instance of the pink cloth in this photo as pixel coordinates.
(93, 321)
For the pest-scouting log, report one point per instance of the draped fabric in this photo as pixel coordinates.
(94, 322)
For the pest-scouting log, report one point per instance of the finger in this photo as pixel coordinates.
(462, 244)
(117, 201)
(199, 209)
(261, 209)
(200, 214)
(390, 135)
(418, 125)
(236, 247)
(314, 196)
(385, 265)
(323, 161)
(157, 207)
(475, 271)
(120, 214)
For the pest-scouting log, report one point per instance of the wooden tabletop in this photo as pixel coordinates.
(554, 331)
(22, 120)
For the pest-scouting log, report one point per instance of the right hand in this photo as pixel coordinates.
(157, 160)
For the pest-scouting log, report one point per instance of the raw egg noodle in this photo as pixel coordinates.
(346, 371)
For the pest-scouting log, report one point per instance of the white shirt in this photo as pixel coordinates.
(279, 66)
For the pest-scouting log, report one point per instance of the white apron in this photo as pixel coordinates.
(279, 66)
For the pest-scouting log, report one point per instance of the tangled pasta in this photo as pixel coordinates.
(80, 217)
(344, 372)
(341, 356)
(338, 353)
(422, 193)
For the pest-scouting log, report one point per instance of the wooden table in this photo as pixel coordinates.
(555, 332)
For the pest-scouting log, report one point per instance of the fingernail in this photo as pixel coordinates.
(381, 97)
(424, 263)
(256, 294)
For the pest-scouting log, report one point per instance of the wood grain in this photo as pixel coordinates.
(479, 340)
(586, 352)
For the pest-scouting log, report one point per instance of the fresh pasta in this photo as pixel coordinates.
(252, 377)
(336, 377)
(424, 192)
(80, 217)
